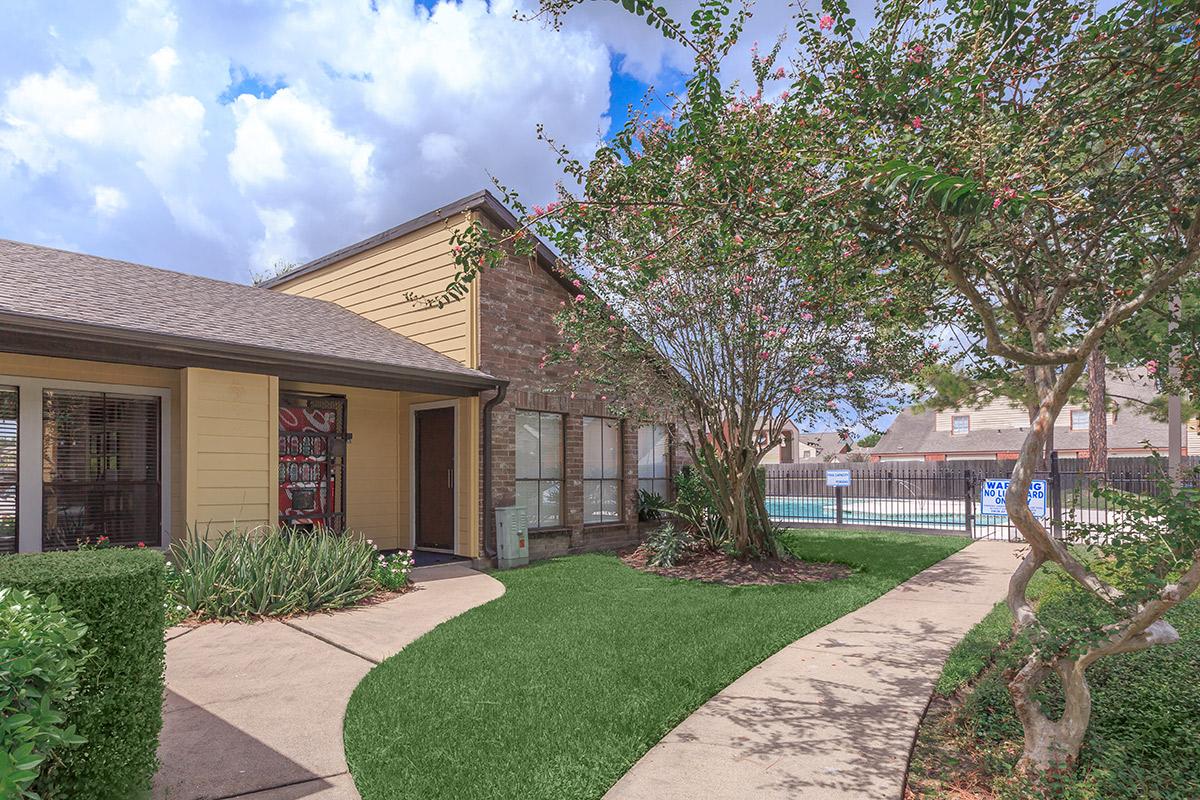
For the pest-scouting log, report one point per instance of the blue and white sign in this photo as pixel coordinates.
(837, 477)
(992, 495)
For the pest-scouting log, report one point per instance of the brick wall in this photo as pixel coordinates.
(518, 301)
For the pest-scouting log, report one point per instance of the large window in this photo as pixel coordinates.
(653, 470)
(960, 424)
(601, 470)
(1080, 420)
(9, 397)
(101, 471)
(540, 467)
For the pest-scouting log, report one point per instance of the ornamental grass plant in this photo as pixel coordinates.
(271, 571)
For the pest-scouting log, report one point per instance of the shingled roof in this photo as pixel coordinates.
(914, 432)
(54, 302)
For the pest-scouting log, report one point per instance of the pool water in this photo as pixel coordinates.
(818, 509)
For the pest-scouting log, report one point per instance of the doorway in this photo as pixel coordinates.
(433, 454)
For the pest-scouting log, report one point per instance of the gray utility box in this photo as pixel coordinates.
(512, 537)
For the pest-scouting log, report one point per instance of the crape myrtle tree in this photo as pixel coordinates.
(708, 290)
(1030, 168)
(1049, 175)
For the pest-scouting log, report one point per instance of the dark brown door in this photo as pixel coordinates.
(435, 478)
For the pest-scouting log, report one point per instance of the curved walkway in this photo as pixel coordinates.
(834, 714)
(255, 711)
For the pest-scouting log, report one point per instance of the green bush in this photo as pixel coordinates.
(666, 545)
(1144, 738)
(40, 654)
(118, 594)
(395, 571)
(269, 571)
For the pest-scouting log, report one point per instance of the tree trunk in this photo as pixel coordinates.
(1097, 413)
(1051, 744)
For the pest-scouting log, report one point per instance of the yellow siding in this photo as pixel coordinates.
(231, 449)
(69, 369)
(388, 284)
(375, 470)
(1001, 414)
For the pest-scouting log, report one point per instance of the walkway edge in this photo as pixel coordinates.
(835, 713)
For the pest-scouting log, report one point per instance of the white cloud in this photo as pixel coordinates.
(163, 61)
(108, 201)
(287, 127)
(382, 116)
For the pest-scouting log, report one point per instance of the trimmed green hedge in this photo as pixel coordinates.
(118, 593)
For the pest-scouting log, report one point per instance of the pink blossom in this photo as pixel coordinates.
(576, 283)
(826, 22)
(779, 73)
(916, 123)
(1152, 367)
(737, 238)
(579, 298)
(575, 347)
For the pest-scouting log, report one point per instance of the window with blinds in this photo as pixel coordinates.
(653, 470)
(101, 471)
(9, 399)
(601, 470)
(540, 467)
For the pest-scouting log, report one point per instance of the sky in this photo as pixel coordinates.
(220, 137)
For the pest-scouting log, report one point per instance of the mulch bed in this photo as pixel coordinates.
(713, 567)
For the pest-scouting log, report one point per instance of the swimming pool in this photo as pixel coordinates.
(868, 511)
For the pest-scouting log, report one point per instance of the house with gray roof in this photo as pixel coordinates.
(996, 429)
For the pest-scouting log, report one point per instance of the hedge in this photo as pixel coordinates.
(118, 593)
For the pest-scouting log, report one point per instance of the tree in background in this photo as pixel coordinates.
(1024, 172)
(711, 292)
(1044, 162)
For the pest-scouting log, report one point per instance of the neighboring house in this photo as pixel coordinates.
(138, 402)
(796, 446)
(997, 429)
(566, 457)
(785, 451)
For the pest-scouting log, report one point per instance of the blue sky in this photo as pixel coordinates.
(221, 137)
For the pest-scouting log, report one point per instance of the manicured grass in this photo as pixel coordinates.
(557, 688)
(1144, 738)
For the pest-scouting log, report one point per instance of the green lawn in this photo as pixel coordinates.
(556, 689)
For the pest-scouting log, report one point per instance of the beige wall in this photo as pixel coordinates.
(388, 284)
(1001, 414)
(224, 447)
(231, 449)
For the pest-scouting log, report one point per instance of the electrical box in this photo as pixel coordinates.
(512, 537)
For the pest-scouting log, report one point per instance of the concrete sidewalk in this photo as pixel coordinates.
(255, 711)
(834, 714)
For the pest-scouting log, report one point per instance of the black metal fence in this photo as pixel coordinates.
(945, 496)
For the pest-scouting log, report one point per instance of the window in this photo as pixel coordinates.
(601, 470)
(1080, 419)
(653, 470)
(960, 424)
(540, 467)
(9, 396)
(100, 468)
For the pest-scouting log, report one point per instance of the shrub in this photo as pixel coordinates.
(270, 571)
(40, 654)
(694, 507)
(650, 505)
(393, 572)
(118, 594)
(666, 545)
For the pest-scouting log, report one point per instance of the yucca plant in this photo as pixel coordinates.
(271, 571)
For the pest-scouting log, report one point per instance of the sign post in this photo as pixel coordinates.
(839, 479)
